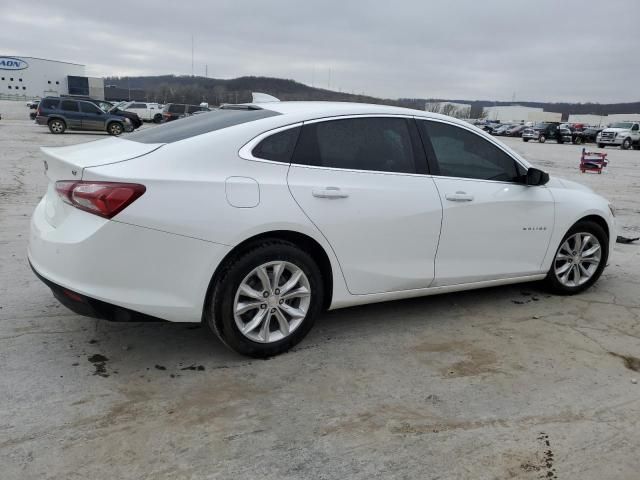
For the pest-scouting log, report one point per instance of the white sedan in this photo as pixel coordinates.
(255, 218)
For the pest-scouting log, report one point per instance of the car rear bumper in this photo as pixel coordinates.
(41, 120)
(104, 267)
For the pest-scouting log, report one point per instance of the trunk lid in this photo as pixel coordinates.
(68, 163)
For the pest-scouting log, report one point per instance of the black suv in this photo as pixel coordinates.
(61, 114)
(174, 111)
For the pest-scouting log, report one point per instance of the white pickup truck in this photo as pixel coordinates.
(622, 134)
(148, 112)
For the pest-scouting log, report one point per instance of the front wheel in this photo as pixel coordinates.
(115, 129)
(601, 145)
(580, 259)
(542, 139)
(266, 300)
(525, 139)
(626, 144)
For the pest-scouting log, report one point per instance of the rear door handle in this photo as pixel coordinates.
(329, 192)
(459, 197)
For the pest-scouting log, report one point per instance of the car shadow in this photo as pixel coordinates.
(174, 347)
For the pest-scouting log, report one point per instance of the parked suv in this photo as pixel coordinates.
(622, 134)
(547, 131)
(60, 114)
(174, 111)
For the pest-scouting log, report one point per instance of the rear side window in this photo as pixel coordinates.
(380, 144)
(197, 125)
(69, 106)
(87, 107)
(138, 105)
(464, 154)
(278, 147)
(193, 108)
(49, 103)
(176, 108)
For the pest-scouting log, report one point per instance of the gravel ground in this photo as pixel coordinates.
(502, 383)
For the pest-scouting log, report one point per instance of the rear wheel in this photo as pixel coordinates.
(266, 300)
(580, 259)
(115, 129)
(157, 118)
(57, 126)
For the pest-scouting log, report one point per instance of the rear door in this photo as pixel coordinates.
(72, 114)
(362, 181)
(93, 118)
(494, 225)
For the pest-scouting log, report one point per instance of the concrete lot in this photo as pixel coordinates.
(493, 384)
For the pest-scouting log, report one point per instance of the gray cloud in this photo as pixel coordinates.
(546, 50)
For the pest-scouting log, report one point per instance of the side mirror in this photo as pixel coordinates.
(536, 177)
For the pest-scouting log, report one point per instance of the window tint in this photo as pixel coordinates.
(176, 108)
(197, 125)
(138, 105)
(87, 107)
(461, 153)
(278, 147)
(49, 103)
(379, 144)
(69, 106)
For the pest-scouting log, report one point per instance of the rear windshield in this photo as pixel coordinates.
(197, 125)
(49, 103)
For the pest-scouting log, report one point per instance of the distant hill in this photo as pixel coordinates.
(187, 89)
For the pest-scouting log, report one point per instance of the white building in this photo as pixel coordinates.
(458, 110)
(30, 77)
(519, 114)
(604, 120)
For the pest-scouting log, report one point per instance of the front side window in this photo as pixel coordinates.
(69, 106)
(278, 147)
(374, 143)
(464, 154)
(87, 107)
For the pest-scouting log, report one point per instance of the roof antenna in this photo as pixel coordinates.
(257, 97)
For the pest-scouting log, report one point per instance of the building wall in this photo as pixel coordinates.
(593, 120)
(40, 77)
(96, 88)
(517, 113)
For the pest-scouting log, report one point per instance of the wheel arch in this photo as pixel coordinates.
(304, 241)
(598, 220)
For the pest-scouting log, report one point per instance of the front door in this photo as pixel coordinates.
(92, 117)
(361, 182)
(494, 226)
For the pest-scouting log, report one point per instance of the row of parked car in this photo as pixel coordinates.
(85, 113)
(622, 134)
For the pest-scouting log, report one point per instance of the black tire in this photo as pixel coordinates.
(57, 126)
(626, 144)
(157, 118)
(579, 141)
(601, 145)
(220, 304)
(542, 139)
(115, 129)
(583, 226)
(636, 146)
(525, 139)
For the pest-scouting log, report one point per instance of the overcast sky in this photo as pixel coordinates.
(546, 50)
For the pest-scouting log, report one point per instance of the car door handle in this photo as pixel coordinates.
(329, 192)
(459, 197)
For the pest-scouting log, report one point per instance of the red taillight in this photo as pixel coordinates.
(38, 112)
(106, 199)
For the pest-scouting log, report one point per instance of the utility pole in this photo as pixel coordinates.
(206, 70)
(192, 54)
(329, 84)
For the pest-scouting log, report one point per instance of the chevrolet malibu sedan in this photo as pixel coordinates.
(255, 218)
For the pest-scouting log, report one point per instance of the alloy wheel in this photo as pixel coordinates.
(578, 259)
(272, 301)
